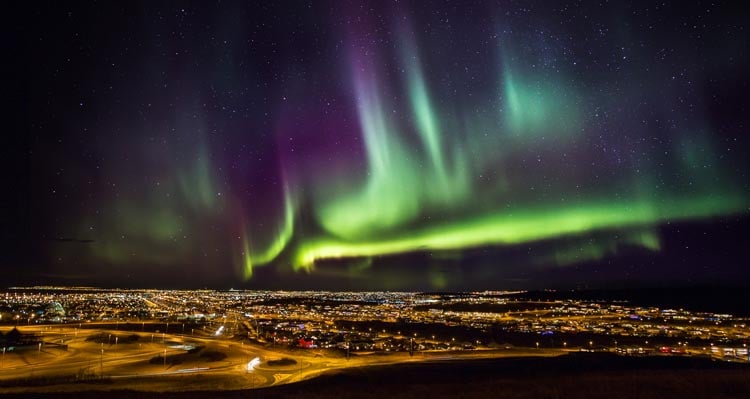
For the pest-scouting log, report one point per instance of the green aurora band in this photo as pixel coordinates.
(272, 251)
(391, 211)
(525, 226)
(430, 161)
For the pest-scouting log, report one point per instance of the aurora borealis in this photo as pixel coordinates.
(332, 141)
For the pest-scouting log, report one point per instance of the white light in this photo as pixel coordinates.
(252, 364)
(219, 331)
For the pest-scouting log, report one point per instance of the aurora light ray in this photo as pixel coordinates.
(525, 226)
(381, 132)
(405, 182)
(280, 241)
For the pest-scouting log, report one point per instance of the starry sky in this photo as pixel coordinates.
(436, 145)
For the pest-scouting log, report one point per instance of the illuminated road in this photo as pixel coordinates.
(132, 365)
(141, 365)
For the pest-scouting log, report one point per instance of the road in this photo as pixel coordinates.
(133, 365)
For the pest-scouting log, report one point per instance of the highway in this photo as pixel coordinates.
(98, 351)
(130, 365)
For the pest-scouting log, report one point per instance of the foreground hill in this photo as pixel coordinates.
(574, 376)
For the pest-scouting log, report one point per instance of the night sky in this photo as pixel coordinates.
(430, 145)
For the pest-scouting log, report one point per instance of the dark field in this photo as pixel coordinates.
(574, 376)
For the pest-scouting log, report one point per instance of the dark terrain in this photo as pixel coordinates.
(573, 376)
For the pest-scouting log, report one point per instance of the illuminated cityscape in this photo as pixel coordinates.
(270, 338)
(368, 199)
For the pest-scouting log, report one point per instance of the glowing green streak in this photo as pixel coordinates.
(427, 124)
(524, 226)
(277, 245)
(247, 261)
(447, 182)
(402, 183)
(537, 107)
(648, 239)
(426, 119)
(390, 195)
(529, 108)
